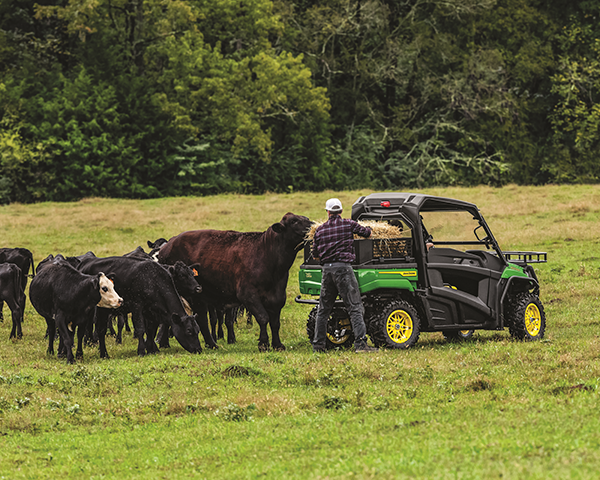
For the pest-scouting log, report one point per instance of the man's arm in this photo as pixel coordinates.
(360, 230)
(315, 250)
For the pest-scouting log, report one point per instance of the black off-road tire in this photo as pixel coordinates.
(458, 335)
(397, 325)
(339, 328)
(525, 317)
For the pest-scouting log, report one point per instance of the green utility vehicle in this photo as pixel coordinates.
(455, 281)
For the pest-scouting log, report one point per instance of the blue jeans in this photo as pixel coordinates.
(339, 278)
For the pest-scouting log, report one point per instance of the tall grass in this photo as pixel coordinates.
(489, 408)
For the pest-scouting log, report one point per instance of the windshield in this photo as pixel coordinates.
(456, 228)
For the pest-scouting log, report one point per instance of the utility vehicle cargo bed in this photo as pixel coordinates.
(370, 251)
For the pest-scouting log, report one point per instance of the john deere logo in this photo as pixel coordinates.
(309, 275)
(403, 273)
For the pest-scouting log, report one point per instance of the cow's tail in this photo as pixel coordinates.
(17, 287)
(32, 274)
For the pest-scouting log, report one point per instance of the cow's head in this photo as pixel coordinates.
(186, 330)
(155, 247)
(108, 296)
(294, 227)
(184, 279)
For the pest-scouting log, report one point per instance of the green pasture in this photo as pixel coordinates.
(488, 408)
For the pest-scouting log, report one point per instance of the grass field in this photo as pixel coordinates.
(489, 408)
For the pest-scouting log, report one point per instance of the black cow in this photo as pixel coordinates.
(238, 268)
(185, 284)
(11, 292)
(140, 253)
(122, 318)
(155, 246)
(67, 299)
(73, 261)
(151, 297)
(22, 258)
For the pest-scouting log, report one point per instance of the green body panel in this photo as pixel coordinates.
(513, 270)
(310, 281)
(369, 279)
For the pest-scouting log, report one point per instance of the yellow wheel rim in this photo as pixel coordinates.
(533, 320)
(337, 340)
(399, 326)
(465, 332)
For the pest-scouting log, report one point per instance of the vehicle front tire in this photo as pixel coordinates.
(339, 328)
(397, 326)
(525, 317)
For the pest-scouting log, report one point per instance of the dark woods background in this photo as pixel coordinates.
(147, 98)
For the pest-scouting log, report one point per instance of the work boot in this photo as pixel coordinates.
(362, 347)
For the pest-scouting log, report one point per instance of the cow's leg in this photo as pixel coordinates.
(230, 316)
(254, 306)
(17, 315)
(61, 352)
(202, 310)
(275, 322)
(138, 329)
(50, 327)
(80, 334)
(121, 321)
(65, 335)
(83, 329)
(164, 332)
(1, 307)
(151, 328)
(101, 323)
(111, 329)
(212, 312)
(221, 312)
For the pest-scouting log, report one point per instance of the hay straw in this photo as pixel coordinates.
(378, 229)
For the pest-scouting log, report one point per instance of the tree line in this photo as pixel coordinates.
(149, 98)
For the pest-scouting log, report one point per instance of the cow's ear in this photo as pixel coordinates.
(278, 227)
(111, 277)
(176, 319)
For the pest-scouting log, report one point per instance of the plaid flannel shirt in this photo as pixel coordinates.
(333, 241)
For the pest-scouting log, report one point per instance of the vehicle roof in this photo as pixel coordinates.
(419, 199)
(370, 205)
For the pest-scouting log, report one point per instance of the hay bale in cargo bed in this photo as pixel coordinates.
(379, 230)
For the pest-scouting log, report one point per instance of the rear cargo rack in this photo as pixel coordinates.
(526, 257)
(378, 251)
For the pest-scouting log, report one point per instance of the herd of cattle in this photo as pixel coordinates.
(173, 290)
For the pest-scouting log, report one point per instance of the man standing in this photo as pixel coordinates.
(333, 247)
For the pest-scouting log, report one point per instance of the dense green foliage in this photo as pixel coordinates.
(147, 98)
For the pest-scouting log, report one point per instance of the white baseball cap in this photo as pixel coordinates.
(333, 205)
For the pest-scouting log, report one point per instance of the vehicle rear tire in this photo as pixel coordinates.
(458, 335)
(525, 317)
(397, 326)
(339, 328)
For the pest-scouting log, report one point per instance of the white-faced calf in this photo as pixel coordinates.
(67, 299)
